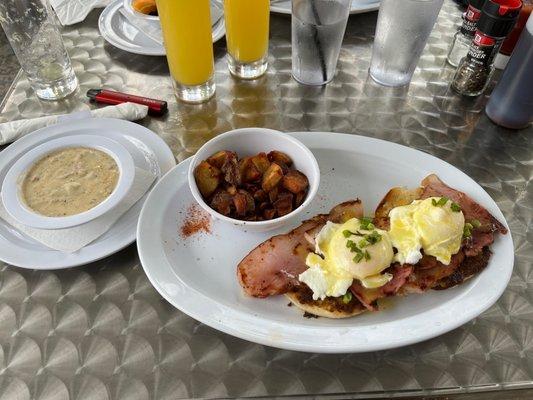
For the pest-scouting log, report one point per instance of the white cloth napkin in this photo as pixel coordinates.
(73, 11)
(70, 240)
(11, 131)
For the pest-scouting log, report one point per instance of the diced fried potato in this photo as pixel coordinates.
(272, 177)
(207, 178)
(231, 190)
(239, 200)
(279, 157)
(222, 202)
(261, 162)
(260, 196)
(283, 204)
(249, 172)
(250, 203)
(230, 169)
(295, 182)
(299, 198)
(269, 213)
(219, 158)
(273, 194)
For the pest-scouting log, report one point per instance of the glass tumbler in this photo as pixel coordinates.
(247, 29)
(30, 26)
(187, 33)
(318, 28)
(402, 31)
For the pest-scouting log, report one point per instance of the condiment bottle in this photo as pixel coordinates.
(511, 102)
(463, 37)
(497, 19)
(510, 41)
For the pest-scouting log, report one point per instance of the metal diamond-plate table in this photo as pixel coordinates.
(102, 332)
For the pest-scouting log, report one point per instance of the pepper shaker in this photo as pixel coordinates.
(463, 37)
(475, 70)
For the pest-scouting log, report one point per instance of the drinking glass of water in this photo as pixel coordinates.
(34, 36)
(317, 31)
(402, 31)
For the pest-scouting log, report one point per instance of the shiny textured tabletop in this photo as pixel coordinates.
(102, 332)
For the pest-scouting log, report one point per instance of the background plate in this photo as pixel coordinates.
(197, 274)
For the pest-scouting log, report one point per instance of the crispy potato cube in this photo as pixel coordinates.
(219, 158)
(207, 178)
(230, 169)
(260, 196)
(269, 213)
(222, 202)
(273, 194)
(248, 170)
(272, 177)
(295, 182)
(283, 204)
(261, 162)
(250, 203)
(279, 157)
(299, 198)
(239, 201)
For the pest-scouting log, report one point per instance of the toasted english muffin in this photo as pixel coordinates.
(330, 307)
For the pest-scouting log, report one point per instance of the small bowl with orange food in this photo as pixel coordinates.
(254, 178)
(146, 9)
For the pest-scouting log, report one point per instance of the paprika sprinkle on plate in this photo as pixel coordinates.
(196, 221)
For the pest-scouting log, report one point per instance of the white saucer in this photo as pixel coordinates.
(119, 32)
(358, 6)
(149, 152)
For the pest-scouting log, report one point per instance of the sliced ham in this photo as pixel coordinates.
(369, 297)
(273, 267)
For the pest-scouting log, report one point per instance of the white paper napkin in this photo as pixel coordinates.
(70, 240)
(73, 11)
(11, 131)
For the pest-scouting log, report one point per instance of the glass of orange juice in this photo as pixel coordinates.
(247, 28)
(186, 26)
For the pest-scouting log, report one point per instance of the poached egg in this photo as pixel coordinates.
(344, 252)
(434, 225)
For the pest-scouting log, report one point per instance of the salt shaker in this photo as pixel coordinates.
(497, 19)
(463, 37)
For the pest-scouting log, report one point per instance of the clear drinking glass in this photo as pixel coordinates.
(247, 29)
(31, 29)
(186, 26)
(317, 31)
(402, 31)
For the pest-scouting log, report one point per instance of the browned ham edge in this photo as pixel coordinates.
(273, 267)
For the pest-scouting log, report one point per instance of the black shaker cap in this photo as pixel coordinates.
(498, 17)
(477, 4)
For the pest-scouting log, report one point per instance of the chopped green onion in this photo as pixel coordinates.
(367, 255)
(455, 207)
(362, 243)
(467, 231)
(475, 223)
(358, 257)
(347, 233)
(373, 237)
(347, 297)
(366, 224)
(440, 202)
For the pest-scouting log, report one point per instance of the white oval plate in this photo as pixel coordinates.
(149, 152)
(119, 32)
(358, 6)
(198, 274)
